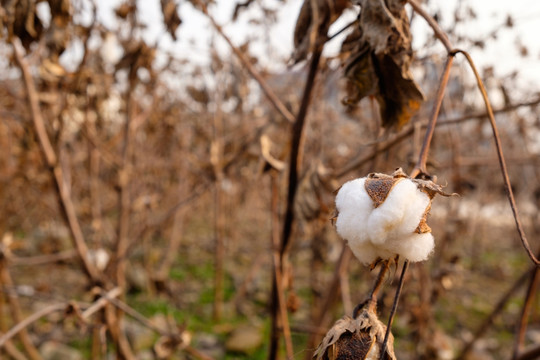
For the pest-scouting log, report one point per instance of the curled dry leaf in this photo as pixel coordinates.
(358, 339)
(313, 22)
(379, 56)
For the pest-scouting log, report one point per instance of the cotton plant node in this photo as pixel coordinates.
(383, 216)
(359, 339)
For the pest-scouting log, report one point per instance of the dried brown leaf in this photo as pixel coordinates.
(379, 60)
(358, 339)
(170, 16)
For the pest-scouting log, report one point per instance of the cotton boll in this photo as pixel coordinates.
(380, 217)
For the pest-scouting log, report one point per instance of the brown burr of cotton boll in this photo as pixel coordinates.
(383, 216)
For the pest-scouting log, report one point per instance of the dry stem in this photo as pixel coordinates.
(502, 162)
(51, 161)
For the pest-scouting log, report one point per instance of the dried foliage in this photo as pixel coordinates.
(379, 57)
(359, 338)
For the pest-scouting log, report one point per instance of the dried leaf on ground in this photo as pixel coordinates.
(378, 62)
(313, 23)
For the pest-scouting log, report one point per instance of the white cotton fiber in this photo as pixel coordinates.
(385, 231)
(353, 204)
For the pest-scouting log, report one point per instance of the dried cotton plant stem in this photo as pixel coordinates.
(502, 162)
(529, 299)
(15, 308)
(394, 308)
(279, 308)
(53, 165)
(21, 325)
(420, 168)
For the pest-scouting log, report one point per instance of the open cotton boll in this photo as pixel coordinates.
(380, 217)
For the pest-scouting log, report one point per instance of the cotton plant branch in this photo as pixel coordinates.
(451, 51)
(51, 160)
(502, 162)
(15, 307)
(278, 305)
(295, 162)
(525, 312)
(408, 130)
(175, 334)
(64, 306)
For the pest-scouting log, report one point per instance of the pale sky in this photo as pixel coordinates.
(275, 43)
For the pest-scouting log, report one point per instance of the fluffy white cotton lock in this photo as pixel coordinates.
(383, 226)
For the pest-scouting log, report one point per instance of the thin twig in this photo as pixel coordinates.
(502, 162)
(372, 306)
(15, 308)
(394, 308)
(101, 302)
(42, 259)
(276, 102)
(420, 168)
(23, 324)
(408, 131)
(147, 323)
(30, 320)
(525, 311)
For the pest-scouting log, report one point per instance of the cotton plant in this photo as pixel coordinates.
(384, 216)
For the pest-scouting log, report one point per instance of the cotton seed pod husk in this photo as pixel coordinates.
(356, 339)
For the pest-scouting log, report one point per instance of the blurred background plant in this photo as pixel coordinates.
(146, 182)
